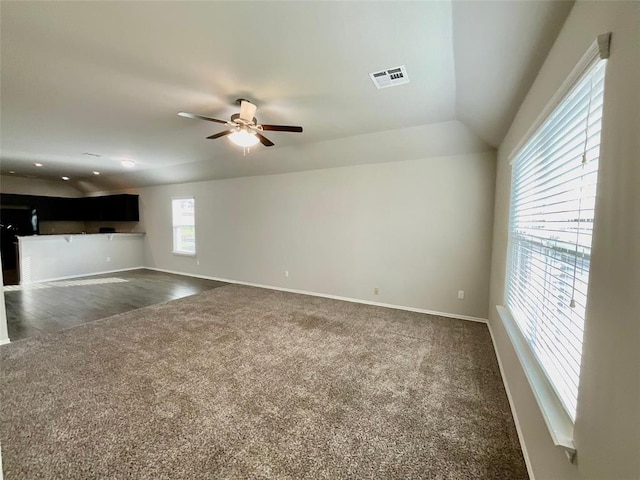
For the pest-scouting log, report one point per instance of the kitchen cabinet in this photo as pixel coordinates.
(122, 207)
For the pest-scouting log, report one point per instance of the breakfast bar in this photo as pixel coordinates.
(56, 257)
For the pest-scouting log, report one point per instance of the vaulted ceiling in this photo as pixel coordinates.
(108, 78)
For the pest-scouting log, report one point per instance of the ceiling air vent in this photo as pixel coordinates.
(390, 78)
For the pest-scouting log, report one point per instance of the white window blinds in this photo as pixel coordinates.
(184, 228)
(551, 220)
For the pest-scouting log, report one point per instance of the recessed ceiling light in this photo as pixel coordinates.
(11, 172)
(38, 164)
(65, 178)
(128, 163)
(96, 173)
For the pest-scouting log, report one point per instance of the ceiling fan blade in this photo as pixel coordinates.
(247, 110)
(222, 134)
(264, 140)
(201, 117)
(282, 128)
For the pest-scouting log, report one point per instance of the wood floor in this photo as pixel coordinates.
(54, 306)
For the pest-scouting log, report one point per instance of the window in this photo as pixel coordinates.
(184, 225)
(553, 194)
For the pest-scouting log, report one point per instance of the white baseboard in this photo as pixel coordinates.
(5, 341)
(326, 295)
(523, 446)
(69, 277)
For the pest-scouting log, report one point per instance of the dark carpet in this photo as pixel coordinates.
(241, 382)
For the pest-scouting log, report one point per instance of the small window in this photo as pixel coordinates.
(184, 225)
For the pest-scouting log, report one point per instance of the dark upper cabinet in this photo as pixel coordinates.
(68, 209)
(45, 206)
(92, 207)
(119, 208)
(106, 208)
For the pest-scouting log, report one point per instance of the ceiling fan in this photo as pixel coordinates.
(245, 130)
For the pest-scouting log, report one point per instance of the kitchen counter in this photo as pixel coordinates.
(43, 258)
(84, 234)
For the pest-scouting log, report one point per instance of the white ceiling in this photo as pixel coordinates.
(498, 50)
(109, 77)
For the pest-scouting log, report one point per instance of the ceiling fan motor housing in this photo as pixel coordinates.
(236, 116)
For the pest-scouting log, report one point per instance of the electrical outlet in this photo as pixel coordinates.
(286, 273)
(108, 259)
(460, 294)
(376, 291)
(197, 262)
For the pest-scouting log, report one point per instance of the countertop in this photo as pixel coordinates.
(50, 235)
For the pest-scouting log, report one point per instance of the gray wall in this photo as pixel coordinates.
(607, 428)
(419, 230)
(37, 186)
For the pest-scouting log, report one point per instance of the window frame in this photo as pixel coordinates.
(558, 421)
(174, 251)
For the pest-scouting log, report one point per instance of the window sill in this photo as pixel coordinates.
(556, 418)
(183, 254)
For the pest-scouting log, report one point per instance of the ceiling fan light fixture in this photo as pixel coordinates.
(127, 163)
(243, 138)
